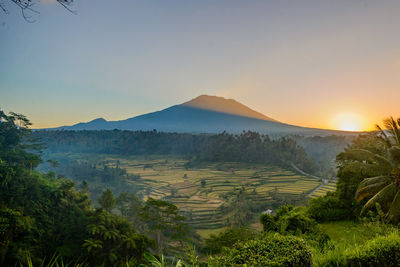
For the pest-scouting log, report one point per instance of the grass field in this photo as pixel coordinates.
(347, 236)
(349, 233)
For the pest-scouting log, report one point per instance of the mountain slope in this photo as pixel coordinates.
(204, 114)
(229, 106)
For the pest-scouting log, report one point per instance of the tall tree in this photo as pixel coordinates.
(107, 200)
(164, 222)
(384, 189)
(383, 185)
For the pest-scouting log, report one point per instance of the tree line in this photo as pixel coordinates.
(249, 146)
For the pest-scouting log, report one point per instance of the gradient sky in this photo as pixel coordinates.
(309, 63)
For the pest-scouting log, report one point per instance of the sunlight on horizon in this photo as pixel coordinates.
(349, 121)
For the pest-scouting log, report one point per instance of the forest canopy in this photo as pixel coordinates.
(249, 146)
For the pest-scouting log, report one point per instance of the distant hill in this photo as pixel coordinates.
(204, 114)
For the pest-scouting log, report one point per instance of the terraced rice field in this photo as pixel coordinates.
(331, 186)
(201, 191)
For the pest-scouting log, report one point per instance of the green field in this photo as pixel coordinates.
(329, 187)
(201, 191)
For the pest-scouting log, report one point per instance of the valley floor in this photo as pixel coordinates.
(203, 192)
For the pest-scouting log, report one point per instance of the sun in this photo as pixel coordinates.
(348, 121)
(349, 126)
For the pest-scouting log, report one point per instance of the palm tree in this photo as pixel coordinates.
(393, 128)
(383, 189)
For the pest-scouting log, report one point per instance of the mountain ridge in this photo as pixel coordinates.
(225, 105)
(203, 114)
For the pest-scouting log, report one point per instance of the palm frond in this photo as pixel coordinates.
(393, 214)
(383, 136)
(383, 196)
(369, 190)
(391, 125)
(373, 180)
(394, 153)
(366, 155)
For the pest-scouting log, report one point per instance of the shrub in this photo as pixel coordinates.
(296, 222)
(328, 208)
(268, 250)
(268, 222)
(288, 219)
(227, 238)
(380, 251)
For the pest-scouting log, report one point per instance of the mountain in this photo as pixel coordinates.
(228, 106)
(203, 114)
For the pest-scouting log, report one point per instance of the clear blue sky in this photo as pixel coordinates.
(301, 62)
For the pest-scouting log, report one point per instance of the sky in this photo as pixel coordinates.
(324, 64)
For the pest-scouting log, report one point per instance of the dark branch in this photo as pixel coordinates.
(3, 8)
(27, 6)
(66, 4)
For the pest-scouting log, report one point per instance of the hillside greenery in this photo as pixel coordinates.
(46, 218)
(42, 216)
(247, 147)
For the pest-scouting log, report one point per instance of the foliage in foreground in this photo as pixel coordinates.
(380, 251)
(290, 220)
(267, 250)
(215, 243)
(328, 208)
(42, 216)
(376, 166)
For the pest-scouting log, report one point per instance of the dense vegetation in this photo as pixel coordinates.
(43, 216)
(95, 176)
(120, 142)
(213, 195)
(266, 250)
(246, 147)
(367, 192)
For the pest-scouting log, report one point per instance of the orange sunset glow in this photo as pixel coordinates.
(349, 121)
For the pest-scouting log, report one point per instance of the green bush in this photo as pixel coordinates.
(288, 219)
(268, 222)
(268, 250)
(328, 208)
(227, 238)
(380, 251)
